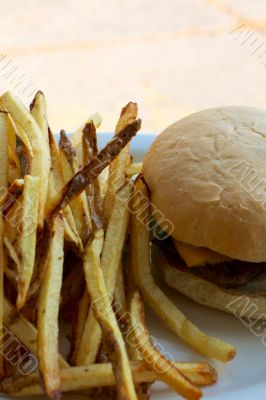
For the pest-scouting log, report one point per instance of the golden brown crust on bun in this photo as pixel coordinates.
(207, 175)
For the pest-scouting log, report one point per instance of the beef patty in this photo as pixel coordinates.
(230, 274)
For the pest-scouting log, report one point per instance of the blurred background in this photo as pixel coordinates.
(173, 56)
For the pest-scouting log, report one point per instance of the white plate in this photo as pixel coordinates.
(244, 378)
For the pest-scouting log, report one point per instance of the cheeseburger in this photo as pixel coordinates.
(207, 175)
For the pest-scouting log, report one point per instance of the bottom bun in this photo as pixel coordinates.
(239, 302)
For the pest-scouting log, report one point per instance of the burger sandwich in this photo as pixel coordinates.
(207, 175)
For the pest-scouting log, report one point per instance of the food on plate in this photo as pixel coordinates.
(161, 304)
(75, 263)
(169, 373)
(206, 175)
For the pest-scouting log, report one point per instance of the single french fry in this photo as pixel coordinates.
(164, 369)
(38, 110)
(89, 151)
(26, 243)
(41, 156)
(102, 375)
(112, 251)
(76, 137)
(120, 300)
(118, 167)
(48, 310)
(102, 307)
(83, 309)
(161, 304)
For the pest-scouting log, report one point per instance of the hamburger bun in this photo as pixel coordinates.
(207, 175)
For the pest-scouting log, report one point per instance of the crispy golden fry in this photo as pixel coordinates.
(38, 110)
(89, 172)
(102, 307)
(120, 292)
(89, 151)
(165, 308)
(164, 369)
(118, 167)
(26, 243)
(133, 169)
(56, 184)
(3, 187)
(23, 329)
(41, 161)
(101, 375)
(42, 249)
(79, 205)
(83, 309)
(131, 289)
(76, 137)
(89, 142)
(48, 310)
(112, 251)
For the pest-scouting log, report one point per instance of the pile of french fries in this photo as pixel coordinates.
(75, 256)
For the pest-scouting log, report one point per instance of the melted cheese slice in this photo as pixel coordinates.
(198, 256)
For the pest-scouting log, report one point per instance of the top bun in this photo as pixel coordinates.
(207, 175)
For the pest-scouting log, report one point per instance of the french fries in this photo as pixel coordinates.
(118, 167)
(110, 260)
(102, 375)
(76, 137)
(28, 234)
(79, 205)
(48, 311)
(39, 112)
(102, 308)
(64, 228)
(165, 308)
(83, 308)
(24, 330)
(41, 162)
(89, 172)
(89, 151)
(56, 184)
(163, 368)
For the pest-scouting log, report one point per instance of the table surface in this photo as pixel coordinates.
(172, 57)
